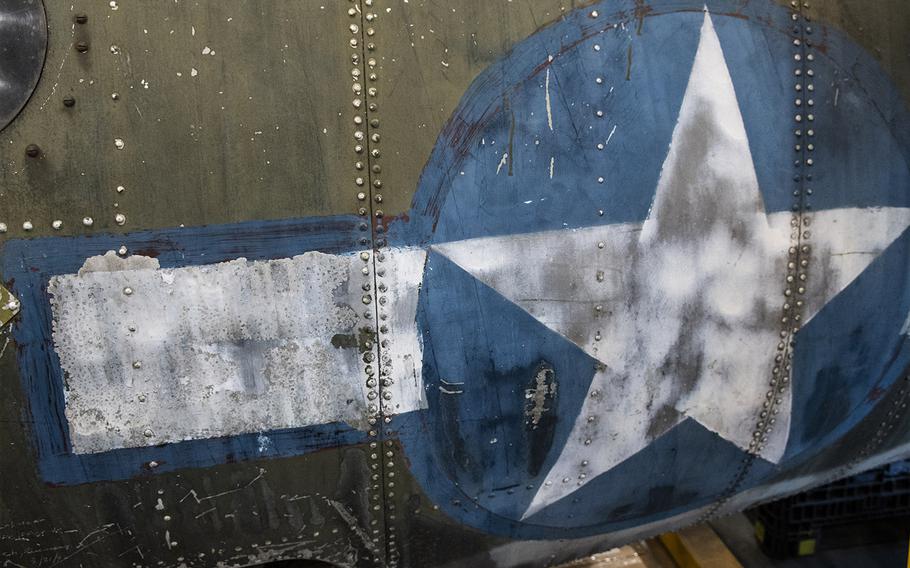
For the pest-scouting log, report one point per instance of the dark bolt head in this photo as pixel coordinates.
(32, 151)
(69, 101)
(81, 18)
(374, 123)
(81, 47)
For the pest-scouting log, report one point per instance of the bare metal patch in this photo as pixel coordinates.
(161, 355)
(540, 396)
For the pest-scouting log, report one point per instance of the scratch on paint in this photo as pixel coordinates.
(136, 548)
(198, 499)
(629, 64)
(59, 69)
(3, 349)
(206, 512)
(836, 95)
(547, 90)
(610, 137)
(82, 544)
(552, 163)
(502, 162)
(351, 521)
(450, 390)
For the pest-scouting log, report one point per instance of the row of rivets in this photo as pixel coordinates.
(798, 255)
(366, 140)
(373, 141)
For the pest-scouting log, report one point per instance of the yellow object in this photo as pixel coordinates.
(698, 547)
(760, 532)
(806, 547)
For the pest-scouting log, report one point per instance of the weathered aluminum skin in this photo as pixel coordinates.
(442, 181)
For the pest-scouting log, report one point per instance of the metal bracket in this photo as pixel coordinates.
(9, 306)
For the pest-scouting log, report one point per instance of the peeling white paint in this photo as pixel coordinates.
(230, 348)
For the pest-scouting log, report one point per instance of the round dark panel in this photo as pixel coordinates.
(23, 44)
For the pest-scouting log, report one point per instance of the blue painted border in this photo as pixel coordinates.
(27, 265)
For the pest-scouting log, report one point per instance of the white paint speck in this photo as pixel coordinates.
(502, 162)
(547, 94)
(610, 137)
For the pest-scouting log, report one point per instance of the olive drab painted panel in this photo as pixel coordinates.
(486, 283)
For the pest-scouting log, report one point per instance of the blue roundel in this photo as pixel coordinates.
(614, 255)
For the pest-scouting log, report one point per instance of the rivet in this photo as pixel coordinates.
(32, 151)
(137, 364)
(27, 226)
(127, 291)
(81, 18)
(57, 224)
(88, 221)
(120, 218)
(3, 228)
(81, 47)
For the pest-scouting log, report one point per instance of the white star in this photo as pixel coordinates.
(683, 311)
